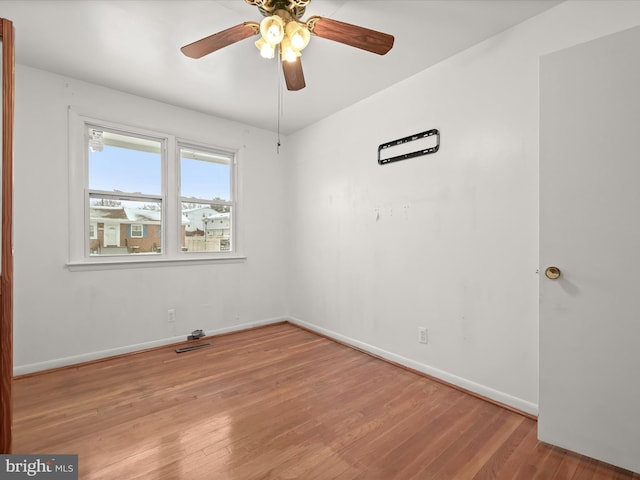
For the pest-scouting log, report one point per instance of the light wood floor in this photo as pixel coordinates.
(277, 403)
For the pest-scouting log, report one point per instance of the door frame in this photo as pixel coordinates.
(7, 35)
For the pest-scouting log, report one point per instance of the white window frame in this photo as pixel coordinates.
(79, 253)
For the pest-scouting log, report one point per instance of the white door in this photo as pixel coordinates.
(111, 235)
(590, 229)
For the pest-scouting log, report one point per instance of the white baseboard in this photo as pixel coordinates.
(90, 356)
(482, 390)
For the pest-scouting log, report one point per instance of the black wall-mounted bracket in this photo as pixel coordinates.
(384, 148)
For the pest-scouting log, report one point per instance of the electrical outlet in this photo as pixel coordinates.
(171, 315)
(422, 335)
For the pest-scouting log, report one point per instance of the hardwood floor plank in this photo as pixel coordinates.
(494, 466)
(278, 402)
(478, 452)
(449, 462)
(567, 467)
(435, 435)
(550, 462)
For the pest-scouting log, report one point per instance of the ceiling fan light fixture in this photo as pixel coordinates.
(266, 49)
(298, 34)
(291, 56)
(287, 52)
(272, 29)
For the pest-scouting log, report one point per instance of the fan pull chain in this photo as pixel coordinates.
(279, 103)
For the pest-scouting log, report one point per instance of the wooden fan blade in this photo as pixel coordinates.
(293, 74)
(359, 37)
(222, 39)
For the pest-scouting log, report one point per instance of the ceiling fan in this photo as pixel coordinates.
(282, 30)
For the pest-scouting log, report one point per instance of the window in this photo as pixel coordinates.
(125, 186)
(137, 231)
(206, 199)
(142, 196)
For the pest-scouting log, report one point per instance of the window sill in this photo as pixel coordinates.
(128, 263)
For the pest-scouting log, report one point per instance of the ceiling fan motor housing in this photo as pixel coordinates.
(267, 7)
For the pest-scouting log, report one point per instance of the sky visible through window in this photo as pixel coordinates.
(204, 180)
(135, 171)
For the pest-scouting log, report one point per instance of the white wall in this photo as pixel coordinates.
(64, 317)
(448, 241)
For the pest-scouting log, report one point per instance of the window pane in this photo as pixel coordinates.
(137, 231)
(124, 226)
(124, 163)
(204, 175)
(206, 228)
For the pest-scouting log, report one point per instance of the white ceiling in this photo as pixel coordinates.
(134, 46)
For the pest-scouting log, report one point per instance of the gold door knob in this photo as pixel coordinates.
(552, 273)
